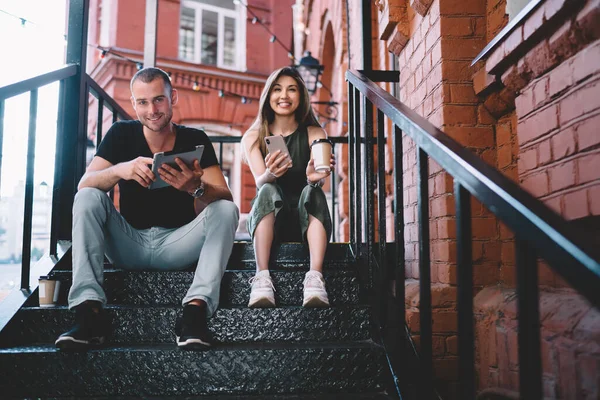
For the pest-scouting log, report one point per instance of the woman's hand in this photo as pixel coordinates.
(278, 163)
(314, 176)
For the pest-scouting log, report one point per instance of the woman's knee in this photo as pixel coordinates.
(267, 191)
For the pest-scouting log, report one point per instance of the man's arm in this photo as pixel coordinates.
(188, 178)
(102, 174)
(215, 188)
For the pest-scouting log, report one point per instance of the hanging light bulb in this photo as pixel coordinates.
(244, 100)
(103, 54)
(196, 87)
(254, 20)
(139, 65)
(221, 93)
(290, 55)
(273, 39)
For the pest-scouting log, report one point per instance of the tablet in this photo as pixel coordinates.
(161, 158)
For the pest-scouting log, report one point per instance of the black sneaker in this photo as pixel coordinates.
(191, 330)
(90, 329)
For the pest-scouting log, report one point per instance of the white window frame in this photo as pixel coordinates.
(238, 15)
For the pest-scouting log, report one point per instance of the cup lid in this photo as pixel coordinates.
(323, 140)
(46, 277)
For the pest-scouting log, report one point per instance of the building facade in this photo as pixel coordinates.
(218, 58)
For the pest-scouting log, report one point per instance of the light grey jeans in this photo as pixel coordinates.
(99, 229)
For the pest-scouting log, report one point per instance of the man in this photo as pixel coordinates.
(191, 221)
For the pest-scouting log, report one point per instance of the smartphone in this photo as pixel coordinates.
(275, 143)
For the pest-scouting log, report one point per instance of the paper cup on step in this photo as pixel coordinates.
(321, 154)
(48, 290)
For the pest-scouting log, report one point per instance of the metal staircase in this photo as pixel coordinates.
(288, 350)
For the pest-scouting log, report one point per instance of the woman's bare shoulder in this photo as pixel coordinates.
(250, 136)
(316, 132)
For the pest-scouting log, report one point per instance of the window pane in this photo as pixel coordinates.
(186, 33)
(229, 43)
(210, 21)
(228, 4)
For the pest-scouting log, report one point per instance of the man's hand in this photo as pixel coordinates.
(138, 170)
(185, 180)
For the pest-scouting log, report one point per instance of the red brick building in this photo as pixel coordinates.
(208, 46)
(529, 107)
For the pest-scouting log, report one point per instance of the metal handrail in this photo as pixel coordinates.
(36, 82)
(568, 251)
(538, 231)
(107, 100)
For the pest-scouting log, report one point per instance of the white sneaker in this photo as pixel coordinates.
(315, 294)
(262, 293)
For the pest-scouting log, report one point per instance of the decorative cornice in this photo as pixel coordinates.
(393, 24)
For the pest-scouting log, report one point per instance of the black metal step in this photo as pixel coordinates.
(287, 256)
(164, 288)
(164, 370)
(134, 324)
(290, 254)
(330, 396)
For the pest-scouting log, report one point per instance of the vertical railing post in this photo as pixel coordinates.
(424, 274)
(466, 337)
(381, 211)
(358, 171)
(369, 225)
(72, 133)
(399, 266)
(334, 212)
(530, 368)
(100, 123)
(28, 209)
(351, 170)
(1, 134)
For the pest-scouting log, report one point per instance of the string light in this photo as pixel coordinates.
(274, 38)
(139, 65)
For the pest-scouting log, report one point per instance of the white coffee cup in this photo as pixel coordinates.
(48, 291)
(321, 154)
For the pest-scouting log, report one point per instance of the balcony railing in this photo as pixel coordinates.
(538, 231)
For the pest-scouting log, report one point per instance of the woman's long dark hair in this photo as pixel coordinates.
(304, 114)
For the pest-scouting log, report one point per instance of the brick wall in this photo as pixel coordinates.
(435, 42)
(559, 115)
(550, 61)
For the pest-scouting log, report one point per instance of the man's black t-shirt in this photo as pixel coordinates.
(144, 208)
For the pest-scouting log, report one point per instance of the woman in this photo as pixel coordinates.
(289, 188)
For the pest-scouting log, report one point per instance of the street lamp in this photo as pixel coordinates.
(310, 70)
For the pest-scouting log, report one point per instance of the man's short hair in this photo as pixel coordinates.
(149, 74)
